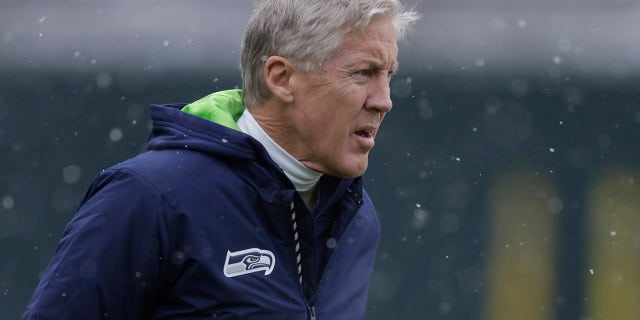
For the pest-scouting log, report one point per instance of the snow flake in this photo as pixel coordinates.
(332, 243)
(71, 174)
(420, 218)
(8, 202)
(115, 134)
(103, 81)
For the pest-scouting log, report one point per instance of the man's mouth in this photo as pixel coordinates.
(365, 133)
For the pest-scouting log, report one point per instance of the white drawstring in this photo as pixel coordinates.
(295, 237)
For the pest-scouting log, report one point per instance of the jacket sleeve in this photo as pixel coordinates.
(111, 254)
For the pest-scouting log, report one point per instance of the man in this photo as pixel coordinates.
(248, 204)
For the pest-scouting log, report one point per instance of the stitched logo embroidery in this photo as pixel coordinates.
(248, 261)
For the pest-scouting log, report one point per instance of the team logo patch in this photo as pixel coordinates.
(248, 261)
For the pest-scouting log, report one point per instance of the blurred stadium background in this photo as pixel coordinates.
(507, 178)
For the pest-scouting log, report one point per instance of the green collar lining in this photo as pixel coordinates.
(223, 107)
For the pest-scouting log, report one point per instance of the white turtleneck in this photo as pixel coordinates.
(304, 179)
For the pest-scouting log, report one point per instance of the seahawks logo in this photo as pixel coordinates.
(248, 261)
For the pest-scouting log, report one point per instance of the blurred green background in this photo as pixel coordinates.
(507, 177)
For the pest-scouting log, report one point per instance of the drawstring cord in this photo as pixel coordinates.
(296, 239)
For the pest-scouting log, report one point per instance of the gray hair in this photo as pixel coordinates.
(309, 33)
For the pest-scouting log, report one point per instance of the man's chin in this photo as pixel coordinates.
(353, 170)
(345, 169)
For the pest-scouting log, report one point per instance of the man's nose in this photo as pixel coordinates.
(379, 96)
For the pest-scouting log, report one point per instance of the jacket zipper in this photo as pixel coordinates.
(312, 312)
(358, 199)
(310, 309)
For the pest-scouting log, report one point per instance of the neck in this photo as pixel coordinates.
(302, 177)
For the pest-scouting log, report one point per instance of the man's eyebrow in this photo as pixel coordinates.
(374, 65)
(378, 66)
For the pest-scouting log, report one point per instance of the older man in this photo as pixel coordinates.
(248, 204)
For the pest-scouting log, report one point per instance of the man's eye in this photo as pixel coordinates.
(364, 73)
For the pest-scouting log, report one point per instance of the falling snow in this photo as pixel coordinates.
(71, 174)
(8, 202)
(115, 134)
(547, 92)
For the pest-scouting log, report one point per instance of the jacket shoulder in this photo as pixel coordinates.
(175, 172)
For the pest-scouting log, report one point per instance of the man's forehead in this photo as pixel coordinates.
(372, 59)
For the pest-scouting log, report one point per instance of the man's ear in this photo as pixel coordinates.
(277, 75)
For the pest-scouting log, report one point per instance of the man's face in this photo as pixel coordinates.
(337, 112)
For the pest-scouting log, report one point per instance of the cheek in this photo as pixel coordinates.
(330, 134)
(348, 91)
(334, 112)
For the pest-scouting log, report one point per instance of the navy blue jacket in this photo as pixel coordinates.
(199, 226)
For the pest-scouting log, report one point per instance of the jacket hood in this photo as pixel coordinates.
(208, 125)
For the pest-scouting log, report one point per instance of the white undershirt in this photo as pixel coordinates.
(304, 179)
